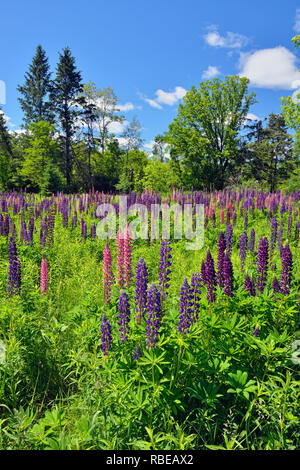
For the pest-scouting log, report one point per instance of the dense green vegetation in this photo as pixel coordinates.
(218, 385)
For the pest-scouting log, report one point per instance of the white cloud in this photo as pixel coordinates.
(210, 72)
(166, 97)
(117, 127)
(7, 119)
(153, 103)
(252, 117)
(271, 68)
(297, 21)
(126, 107)
(231, 40)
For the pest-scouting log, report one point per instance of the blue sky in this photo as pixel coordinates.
(152, 52)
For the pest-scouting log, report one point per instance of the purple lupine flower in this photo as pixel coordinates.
(14, 277)
(249, 286)
(185, 319)
(221, 253)
(252, 240)
(273, 236)
(195, 292)
(106, 337)
(243, 249)
(286, 271)
(262, 263)
(279, 243)
(84, 231)
(228, 276)
(141, 290)
(124, 317)
(210, 276)
(164, 268)
(229, 233)
(93, 231)
(256, 331)
(137, 353)
(246, 221)
(275, 285)
(154, 316)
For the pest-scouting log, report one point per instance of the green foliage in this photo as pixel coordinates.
(204, 136)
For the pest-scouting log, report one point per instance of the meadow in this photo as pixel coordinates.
(143, 344)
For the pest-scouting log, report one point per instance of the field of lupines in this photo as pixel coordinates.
(142, 344)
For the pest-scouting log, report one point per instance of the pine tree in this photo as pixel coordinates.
(35, 91)
(5, 144)
(64, 96)
(270, 156)
(5, 153)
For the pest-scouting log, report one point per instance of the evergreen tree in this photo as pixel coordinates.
(270, 158)
(5, 153)
(66, 88)
(35, 91)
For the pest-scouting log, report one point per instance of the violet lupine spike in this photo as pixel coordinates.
(153, 317)
(256, 331)
(273, 237)
(141, 290)
(44, 275)
(185, 320)
(195, 293)
(289, 227)
(210, 275)
(243, 249)
(137, 353)
(14, 277)
(249, 286)
(275, 285)
(252, 241)
(228, 276)
(221, 253)
(106, 336)
(229, 234)
(262, 263)
(93, 231)
(107, 277)
(286, 270)
(124, 317)
(164, 268)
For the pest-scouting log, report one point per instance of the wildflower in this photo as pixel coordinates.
(106, 337)
(141, 290)
(164, 268)
(185, 319)
(14, 278)
(107, 278)
(262, 263)
(210, 276)
(127, 257)
(229, 233)
(249, 286)
(286, 271)
(221, 252)
(120, 263)
(243, 249)
(195, 292)
(228, 276)
(137, 353)
(124, 317)
(154, 316)
(252, 240)
(44, 275)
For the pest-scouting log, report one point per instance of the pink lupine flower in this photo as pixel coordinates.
(222, 216)
(44, 275)
(107, 278)
(127, 257)
(120, 263)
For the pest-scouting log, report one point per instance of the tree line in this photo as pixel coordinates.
(68, 141)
